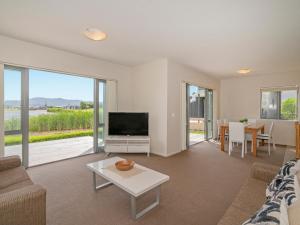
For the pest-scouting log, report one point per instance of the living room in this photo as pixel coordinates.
(190, 71)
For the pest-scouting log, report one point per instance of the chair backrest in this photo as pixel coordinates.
(252, 120)
(225, 120)
(271, 129)
(236, 131)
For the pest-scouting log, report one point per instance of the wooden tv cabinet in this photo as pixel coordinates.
(127, 144)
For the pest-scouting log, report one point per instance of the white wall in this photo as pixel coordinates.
(150, 95)
(26, 54)
(240, 98)
(176, 74)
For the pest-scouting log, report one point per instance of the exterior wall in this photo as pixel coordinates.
(240, 98)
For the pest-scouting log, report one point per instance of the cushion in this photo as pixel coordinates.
(288, 190)
(273, 212)
(274, 186)
(12, 176)
(286, 169)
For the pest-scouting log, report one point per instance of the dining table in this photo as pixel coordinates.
(250, 128)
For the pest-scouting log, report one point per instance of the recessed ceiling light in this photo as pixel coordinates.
(244, 71)
(95, 34)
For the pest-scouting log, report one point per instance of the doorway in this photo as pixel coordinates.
(199, 108)
(51, 116)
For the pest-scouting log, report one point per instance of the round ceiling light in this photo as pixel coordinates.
(244, 71)
(95, 34)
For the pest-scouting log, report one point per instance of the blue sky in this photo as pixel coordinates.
(49, 85)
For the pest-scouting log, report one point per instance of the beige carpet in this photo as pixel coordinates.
(203, 183)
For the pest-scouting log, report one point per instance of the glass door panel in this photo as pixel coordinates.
(100, 125)
(209, 114)
(12, 112)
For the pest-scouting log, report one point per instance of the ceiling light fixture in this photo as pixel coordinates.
(244, 71)
(95, 34)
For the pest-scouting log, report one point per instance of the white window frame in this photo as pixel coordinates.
(280, 89)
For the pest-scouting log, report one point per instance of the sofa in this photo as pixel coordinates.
(252, 195)
(21, 201)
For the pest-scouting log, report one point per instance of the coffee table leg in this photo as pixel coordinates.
(134, 213)
(101, 185)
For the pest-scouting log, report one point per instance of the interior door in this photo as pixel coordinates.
(209, 114)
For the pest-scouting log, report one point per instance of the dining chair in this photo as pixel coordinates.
(268, 137)
(252, 120)
(237, 135)
(219, 123)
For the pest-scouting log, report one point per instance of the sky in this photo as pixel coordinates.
(49, 85)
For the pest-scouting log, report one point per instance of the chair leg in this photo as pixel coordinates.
(246, 146)
(230, 147)
(269, 147)
(243, 149)
(274, 145)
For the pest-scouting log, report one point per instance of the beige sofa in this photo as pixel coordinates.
(251, 196)
(21, 201)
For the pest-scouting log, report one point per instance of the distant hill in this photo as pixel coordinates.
(40, 102)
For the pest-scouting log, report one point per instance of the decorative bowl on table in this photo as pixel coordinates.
(124, 165)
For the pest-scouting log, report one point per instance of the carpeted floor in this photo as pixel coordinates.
(203, 183)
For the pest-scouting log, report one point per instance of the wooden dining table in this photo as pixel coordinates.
(252, 128)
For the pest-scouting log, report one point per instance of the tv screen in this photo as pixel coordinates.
(134, 124)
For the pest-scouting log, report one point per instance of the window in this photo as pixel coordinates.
(279, 103)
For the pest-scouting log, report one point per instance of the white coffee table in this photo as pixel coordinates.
(135, 182)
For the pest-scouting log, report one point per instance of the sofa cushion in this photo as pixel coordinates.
(274, 186)
(273, 212)
(251, 196)
(16, 186)
(13, 176)
(288, 189)
(288, 168)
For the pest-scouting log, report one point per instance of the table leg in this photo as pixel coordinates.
(222, 137)
(135, 214)
(254, 142)
(263, 131)
(101, 185)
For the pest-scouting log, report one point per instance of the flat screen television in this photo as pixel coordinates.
(124, 123)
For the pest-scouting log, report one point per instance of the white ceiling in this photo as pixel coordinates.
(214, 36)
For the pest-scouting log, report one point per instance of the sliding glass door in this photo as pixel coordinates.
(12, 112)
(99, 112)
(199, 114)
(52, 116)
(209, 114)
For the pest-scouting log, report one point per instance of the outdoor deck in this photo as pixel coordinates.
(49, 151)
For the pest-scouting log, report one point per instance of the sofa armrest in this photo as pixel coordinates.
(9, 162)
(23, 206)
(264, 172)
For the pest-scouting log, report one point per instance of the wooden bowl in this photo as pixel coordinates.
(124, 165)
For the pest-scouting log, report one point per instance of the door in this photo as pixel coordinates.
(99, 112)
(209, 114)
(16, 113)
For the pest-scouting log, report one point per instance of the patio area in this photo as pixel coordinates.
(50, 151)
(196, 138)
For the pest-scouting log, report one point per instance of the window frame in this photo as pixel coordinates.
(279, 90)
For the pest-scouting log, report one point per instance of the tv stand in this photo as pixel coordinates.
(127, 144)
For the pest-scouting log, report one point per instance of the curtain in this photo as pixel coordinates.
(111, 101)
(183, 116)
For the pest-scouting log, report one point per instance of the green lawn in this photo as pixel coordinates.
(196, 131)
(16, 139)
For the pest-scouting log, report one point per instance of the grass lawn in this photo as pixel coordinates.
(47, 136)
(196, 131)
